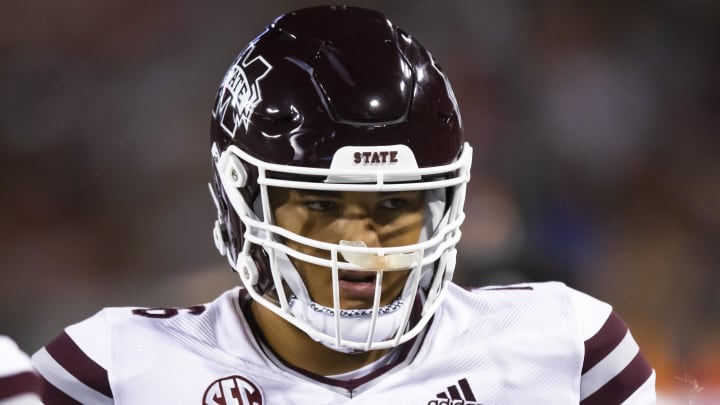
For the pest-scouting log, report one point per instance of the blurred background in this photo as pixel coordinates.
(596, 128)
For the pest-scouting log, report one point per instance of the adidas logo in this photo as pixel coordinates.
(458, 394)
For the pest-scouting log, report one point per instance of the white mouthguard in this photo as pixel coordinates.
(370, 261)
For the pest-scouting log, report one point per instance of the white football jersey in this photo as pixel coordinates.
(541, 343)
(19, 384)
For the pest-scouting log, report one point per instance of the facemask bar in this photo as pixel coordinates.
(383, 177)
(443, 241)
(439, 247)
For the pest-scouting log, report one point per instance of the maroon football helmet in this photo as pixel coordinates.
(337, 98)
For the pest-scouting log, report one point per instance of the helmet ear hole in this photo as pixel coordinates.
(237, 172)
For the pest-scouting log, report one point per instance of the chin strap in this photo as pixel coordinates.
(355, 324)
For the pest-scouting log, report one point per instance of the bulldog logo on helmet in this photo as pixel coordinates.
(240, 92)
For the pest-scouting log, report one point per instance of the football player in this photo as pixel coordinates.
(19, 384)
(339, 176)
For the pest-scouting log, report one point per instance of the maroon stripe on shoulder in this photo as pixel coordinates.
(604, 341)
(66, 352)
(622, 385)
(21, 383)
(53, 396)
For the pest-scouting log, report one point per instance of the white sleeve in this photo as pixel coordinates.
(19, 384)
(75, 364)
(614, 370)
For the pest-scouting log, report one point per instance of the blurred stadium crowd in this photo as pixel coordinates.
(596, 127)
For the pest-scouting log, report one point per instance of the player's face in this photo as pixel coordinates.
(378, 219)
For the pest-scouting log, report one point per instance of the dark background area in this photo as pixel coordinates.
(596, 128)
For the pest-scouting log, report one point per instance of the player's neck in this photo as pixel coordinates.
(297, 349)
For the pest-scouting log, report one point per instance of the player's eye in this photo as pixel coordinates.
(320, 205)
(393, 203)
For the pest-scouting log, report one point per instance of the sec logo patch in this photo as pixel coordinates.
(233, 390)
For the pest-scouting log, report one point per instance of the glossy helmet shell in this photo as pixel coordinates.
(321, 78)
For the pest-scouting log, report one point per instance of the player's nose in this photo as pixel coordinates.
(360, 228)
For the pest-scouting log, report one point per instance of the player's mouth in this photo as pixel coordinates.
(357, 284)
